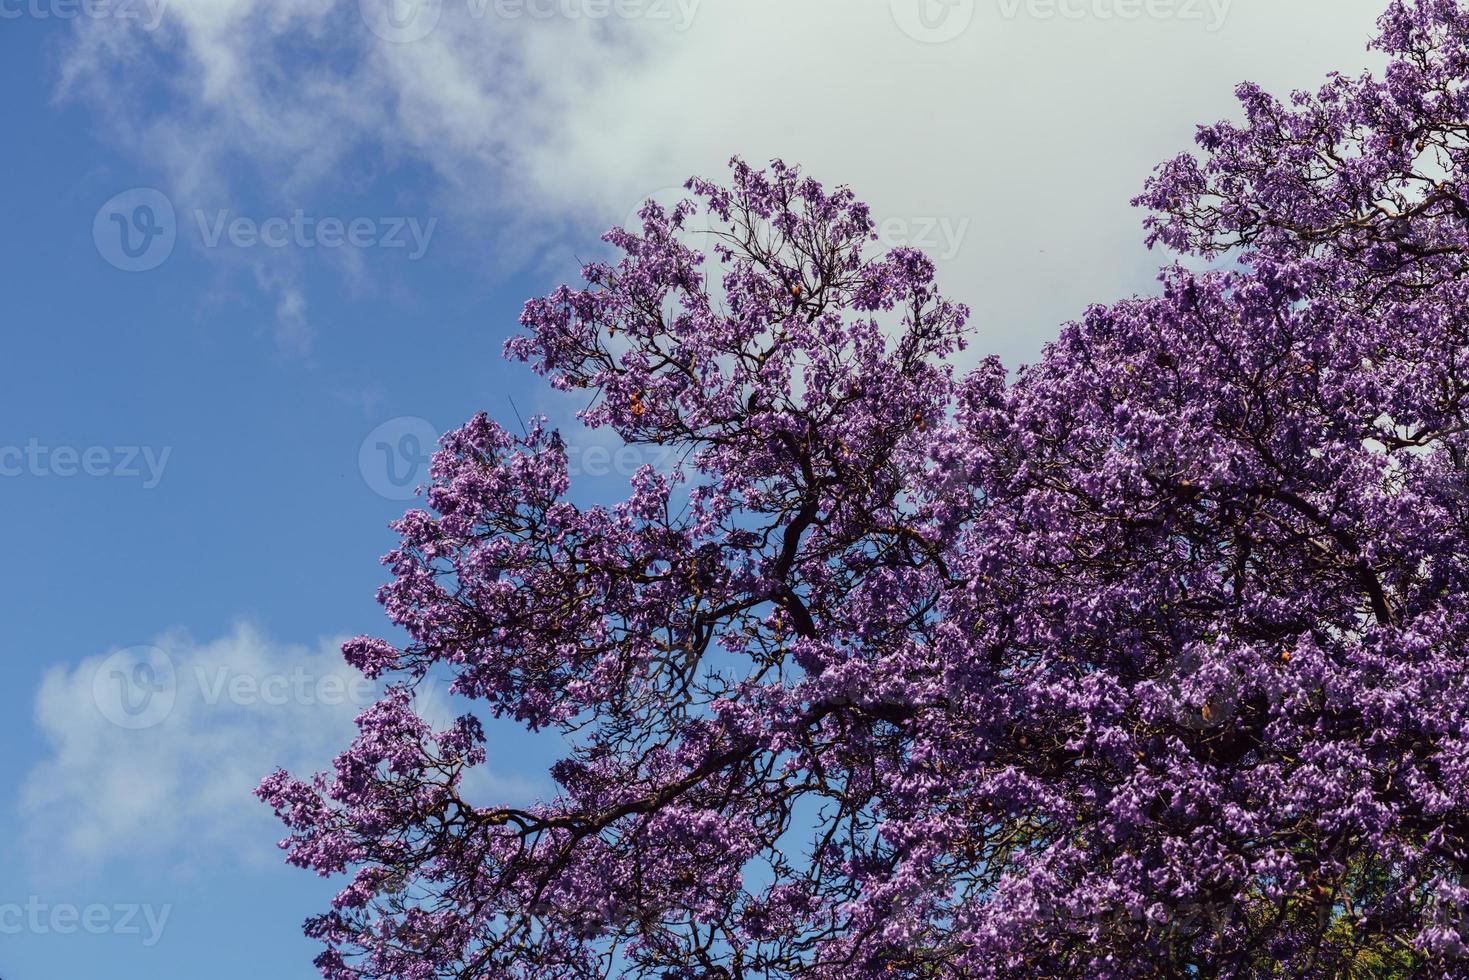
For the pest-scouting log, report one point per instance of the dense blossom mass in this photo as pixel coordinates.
(1148, 660)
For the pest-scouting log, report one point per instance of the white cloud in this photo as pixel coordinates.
(1034, 127)
(156, 750)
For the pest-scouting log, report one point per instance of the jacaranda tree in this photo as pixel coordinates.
(1150, 660)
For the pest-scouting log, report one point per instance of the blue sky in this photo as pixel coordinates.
(192, 455)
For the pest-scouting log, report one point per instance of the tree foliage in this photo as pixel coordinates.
(1148, 660)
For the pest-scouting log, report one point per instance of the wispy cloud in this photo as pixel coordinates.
(524, 120)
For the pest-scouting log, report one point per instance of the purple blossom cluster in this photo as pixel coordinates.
(1149, 660)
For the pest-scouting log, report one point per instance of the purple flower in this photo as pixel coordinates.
(1150, 660)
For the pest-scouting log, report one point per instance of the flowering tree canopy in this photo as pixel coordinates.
(1150, 660)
